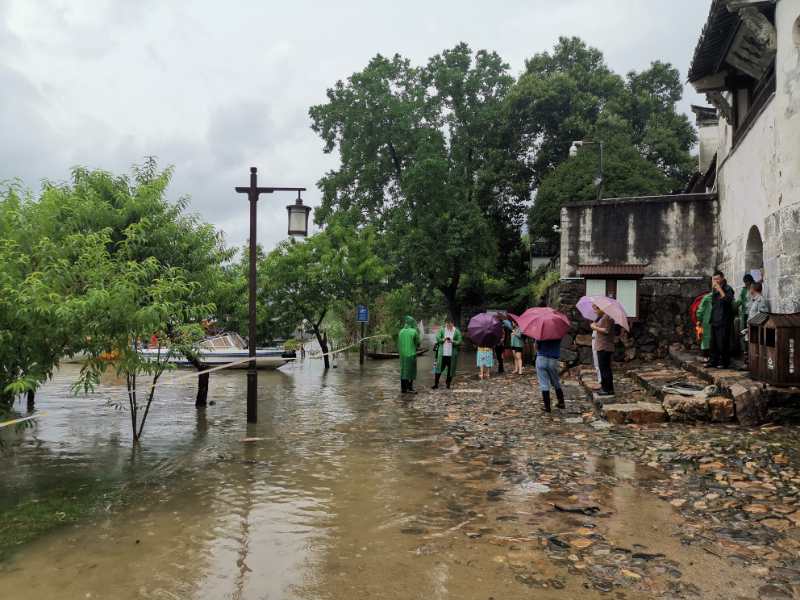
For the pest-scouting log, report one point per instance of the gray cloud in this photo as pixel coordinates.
(214, 90)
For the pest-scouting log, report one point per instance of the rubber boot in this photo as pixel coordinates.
(437, 377)
(403, 386)
(410, 389)
(546, 400)
(448, 381)
(560, 396)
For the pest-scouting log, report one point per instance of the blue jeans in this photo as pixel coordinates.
(547, 372)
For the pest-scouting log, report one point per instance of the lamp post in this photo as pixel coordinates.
(573, 151)
(253, 192)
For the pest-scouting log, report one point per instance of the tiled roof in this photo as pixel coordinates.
(610, 269)
(714, 41)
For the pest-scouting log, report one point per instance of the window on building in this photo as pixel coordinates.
(626, 291)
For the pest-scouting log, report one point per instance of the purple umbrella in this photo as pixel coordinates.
(608, 305)
(485, 330)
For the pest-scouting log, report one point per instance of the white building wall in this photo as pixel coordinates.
(783, 225)
(759, 179)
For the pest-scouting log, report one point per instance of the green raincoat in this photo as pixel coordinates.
(407, 346)
(743, 304)
(440, 351)
(704, 318)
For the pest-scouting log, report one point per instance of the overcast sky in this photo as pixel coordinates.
(215, 87)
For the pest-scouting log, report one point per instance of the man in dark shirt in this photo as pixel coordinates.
(721, 321)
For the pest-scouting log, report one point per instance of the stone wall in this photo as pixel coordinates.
(664, 321)
(674, 235)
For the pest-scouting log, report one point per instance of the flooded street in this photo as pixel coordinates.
(350, 492)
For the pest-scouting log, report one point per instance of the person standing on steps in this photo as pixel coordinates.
(722, 301)
(703, 316)
(604, 342)
(448, 342)
(407, 346)
(548, 353)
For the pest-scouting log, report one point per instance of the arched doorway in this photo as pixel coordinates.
(754, 251)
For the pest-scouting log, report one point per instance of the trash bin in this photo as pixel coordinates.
(774, 344)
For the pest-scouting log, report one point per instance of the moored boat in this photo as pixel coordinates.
(225, 349)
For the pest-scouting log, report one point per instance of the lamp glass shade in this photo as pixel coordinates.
(298, 219)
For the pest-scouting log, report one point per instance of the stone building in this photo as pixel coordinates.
(742, 209)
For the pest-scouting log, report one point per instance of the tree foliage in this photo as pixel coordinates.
(425, 161)
(571, 94)
(95, 265)
(302, 281)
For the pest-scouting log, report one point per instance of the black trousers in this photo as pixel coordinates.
(721, 345)
(606, 374)
(498, 352)
(447, 363)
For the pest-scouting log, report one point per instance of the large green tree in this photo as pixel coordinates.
(570, 94)
(426, 158)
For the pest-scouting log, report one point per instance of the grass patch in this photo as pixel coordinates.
(34, 517)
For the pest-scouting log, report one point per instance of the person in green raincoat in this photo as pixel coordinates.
(704, 319)
(407, 346)
(448, 341)
(743, 304)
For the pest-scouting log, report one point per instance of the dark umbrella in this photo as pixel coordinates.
(485, 330)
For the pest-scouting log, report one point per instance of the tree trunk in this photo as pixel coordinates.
(322, 340)
(31, 400)
(453, 306)
(202, 391)
(201, 400)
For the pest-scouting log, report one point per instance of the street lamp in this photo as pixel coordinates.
(253, 192)
(598, 182)
(298, 217)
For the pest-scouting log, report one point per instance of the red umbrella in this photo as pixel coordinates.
(543, 323)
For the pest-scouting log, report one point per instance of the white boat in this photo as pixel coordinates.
(227, 348)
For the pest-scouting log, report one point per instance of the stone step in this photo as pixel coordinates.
(750, 398)
(638, 413)
(653, 378)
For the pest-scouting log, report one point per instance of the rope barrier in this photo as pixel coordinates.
(22, 420)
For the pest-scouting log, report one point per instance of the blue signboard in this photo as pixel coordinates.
(362, 314)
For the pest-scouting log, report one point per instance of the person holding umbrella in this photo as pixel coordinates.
(407, 346)
(604, 327)
(448, 341)
(485, 361)
(547, 327)
(486, 332)
(604, 314)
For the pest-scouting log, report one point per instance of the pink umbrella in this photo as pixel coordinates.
(543, 323)
(609, 306)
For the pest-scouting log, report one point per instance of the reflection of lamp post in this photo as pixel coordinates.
(573, 151)
(253, 192)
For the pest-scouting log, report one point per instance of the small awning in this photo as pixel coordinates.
(611, 270)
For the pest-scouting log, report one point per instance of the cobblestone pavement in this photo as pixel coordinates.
(664, 511)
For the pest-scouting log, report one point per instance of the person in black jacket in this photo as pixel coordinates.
(722, 313)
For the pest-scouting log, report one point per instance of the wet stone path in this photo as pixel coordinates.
(667, 511)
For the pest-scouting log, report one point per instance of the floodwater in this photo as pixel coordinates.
(347, 493)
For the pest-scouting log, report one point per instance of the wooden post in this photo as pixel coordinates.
(362, 345)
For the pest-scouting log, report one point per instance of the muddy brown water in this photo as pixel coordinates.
(348, 494)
